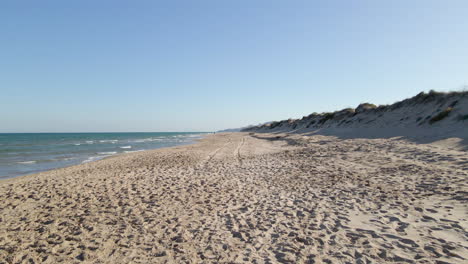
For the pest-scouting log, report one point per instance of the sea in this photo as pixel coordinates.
(26, 153)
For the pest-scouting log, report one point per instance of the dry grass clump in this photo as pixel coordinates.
(368, 105)
(364, 107)
(441, 115)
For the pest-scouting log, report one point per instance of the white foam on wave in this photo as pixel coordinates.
(27, 162)
(142, 140)
(68, 158)
(107, 153)
(90, 142)
(113, 141)
(187, 136)
(77, 144)
(171, 138)
(90, 159)
(132, 151)
(126, 147)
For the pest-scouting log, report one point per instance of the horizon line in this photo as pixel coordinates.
(107, 132)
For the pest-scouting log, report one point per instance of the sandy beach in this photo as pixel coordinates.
(246, 198)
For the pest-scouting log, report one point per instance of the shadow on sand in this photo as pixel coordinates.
(455, 139)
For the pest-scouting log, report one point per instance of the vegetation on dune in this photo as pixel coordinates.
(311, 123)
(364, 107)
(453, 103)
(274, 124)
(441, 115)
(463, 117)
(326, 117)
(368, 105)
(444, 100)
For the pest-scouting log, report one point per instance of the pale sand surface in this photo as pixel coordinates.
(240, 198)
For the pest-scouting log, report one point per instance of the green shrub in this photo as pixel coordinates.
(274, 124)
(326, 117)
(441, 115)
(311, 123)
(463, 117)
(453, 103)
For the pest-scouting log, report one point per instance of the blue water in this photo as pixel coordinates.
(28, 153)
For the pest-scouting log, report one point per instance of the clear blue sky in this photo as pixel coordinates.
(208, 65)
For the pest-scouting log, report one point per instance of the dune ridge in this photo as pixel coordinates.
(436, 115)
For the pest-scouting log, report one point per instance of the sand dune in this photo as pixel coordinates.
(426, 117)
(246, 198)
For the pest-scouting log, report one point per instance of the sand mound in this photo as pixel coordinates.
(426, 117)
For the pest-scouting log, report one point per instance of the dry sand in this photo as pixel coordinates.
(240, 198)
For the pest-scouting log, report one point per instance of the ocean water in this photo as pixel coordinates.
(26, 153)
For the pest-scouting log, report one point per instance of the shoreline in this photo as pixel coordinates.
(99, 158)
(242, 197)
